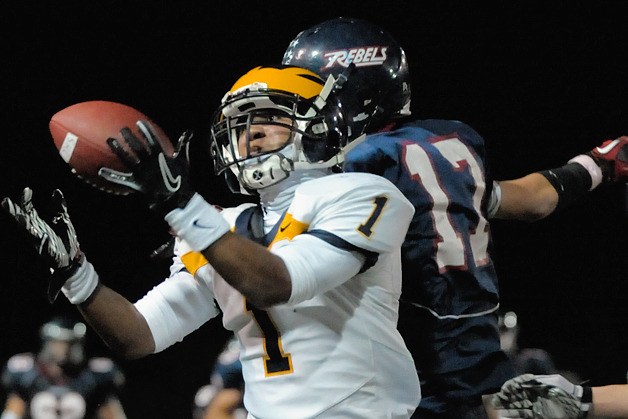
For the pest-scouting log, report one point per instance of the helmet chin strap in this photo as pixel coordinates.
(266, 172)
(331, 84)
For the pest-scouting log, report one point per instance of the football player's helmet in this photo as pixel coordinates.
(63, 343)
(377, 85)
(275, 120)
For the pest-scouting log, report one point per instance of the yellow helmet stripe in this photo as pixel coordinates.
(289, 79)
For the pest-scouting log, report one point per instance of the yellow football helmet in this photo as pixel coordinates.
(275, 120)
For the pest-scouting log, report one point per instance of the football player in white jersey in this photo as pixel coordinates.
(309, 280)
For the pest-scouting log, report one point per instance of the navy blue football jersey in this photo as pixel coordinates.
(439, 165)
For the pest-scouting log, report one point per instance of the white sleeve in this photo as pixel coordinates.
(316, 266)
(364, 210)
(177, 307)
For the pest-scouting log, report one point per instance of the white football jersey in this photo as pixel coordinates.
(333, 349)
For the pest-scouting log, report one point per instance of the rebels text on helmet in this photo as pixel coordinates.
(361, 57)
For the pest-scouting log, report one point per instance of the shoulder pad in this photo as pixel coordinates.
(363, 209)
(354, 184)
(444, 126)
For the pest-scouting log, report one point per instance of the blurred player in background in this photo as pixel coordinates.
(309, 279)
(60, 381)
(222, 397)
(450, 293)
(556, 397)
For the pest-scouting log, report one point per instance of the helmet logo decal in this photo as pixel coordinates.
(361, 57)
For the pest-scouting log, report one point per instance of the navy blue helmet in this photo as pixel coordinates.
(373, 80)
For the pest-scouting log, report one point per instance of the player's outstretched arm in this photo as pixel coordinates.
(529, 198)
(610, 401)
(537, 195)
(113, 317)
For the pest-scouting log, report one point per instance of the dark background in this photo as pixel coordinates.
(541, 83)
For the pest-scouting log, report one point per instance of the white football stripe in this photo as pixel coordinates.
(67, 148)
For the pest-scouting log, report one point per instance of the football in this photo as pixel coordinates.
(80, 133)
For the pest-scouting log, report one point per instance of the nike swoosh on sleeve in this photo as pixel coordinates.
(196, 223)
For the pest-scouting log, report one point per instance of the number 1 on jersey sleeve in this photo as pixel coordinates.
(366, 228)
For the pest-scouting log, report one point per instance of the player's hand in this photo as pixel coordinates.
(612, 157)
(161, 177)
(540, 396)
(55, 241)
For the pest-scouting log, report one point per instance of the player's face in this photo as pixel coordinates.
(267, 133)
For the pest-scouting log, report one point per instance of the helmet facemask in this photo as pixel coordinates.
(261, 135)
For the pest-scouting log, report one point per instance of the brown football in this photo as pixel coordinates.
(80, 133)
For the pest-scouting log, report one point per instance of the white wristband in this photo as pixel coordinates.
(594, 170)
(199, 223)
(82, 284)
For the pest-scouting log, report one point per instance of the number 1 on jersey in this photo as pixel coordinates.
(275, 361)
(367, 227)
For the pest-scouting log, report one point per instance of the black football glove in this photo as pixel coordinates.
(163, 178)
(55, 241)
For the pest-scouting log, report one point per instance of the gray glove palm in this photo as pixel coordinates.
(541, 396)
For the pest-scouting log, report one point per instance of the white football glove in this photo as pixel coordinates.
(543, 397)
